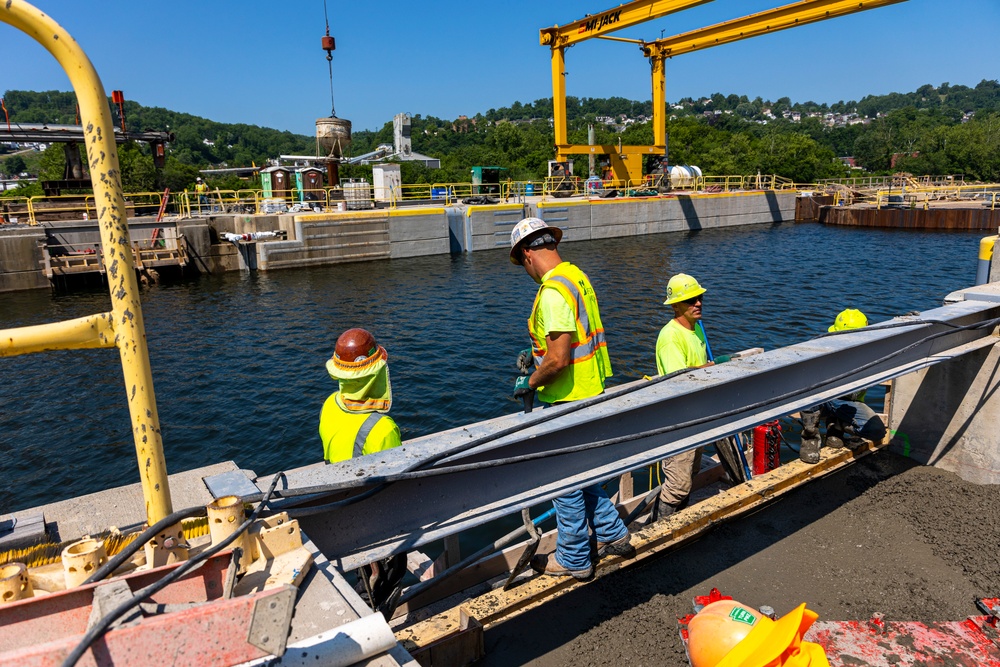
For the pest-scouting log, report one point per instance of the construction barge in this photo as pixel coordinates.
(253, 569)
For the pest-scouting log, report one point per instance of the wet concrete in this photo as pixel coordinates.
(912, 542)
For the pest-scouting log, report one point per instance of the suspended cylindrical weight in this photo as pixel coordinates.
(14, 583)
(80, 559)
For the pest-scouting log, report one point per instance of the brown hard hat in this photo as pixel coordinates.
(355, 345)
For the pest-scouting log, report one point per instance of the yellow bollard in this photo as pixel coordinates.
(14, 583)
(80, 559)
(225, 515)
(985, 259)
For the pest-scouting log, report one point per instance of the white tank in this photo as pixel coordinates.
(333, 136)
(684, 175)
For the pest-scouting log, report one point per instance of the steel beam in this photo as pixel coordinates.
(707, 403)
(773, 20)
(623, 16)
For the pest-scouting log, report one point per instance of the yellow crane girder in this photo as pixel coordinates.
(773, 20)
(624, 16)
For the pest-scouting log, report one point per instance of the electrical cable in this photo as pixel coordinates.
(101, 626)
(383, 480)
(129, 550)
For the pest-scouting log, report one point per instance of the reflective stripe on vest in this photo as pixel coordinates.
(589, 342)
(366, 429)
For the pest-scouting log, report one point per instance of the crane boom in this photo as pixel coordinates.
(624, 16)
(773, 20)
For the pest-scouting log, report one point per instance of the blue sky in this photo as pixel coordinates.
(261, 63)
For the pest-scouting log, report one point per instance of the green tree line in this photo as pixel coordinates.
(933, 130)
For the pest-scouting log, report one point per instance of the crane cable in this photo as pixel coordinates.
(329, 62)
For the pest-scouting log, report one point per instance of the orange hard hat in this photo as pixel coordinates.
(355, 345)
(717, 629)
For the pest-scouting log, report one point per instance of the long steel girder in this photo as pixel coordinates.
(773, 20)
(602, 23)
(729, 398)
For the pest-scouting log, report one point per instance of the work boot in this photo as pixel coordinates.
(664, 510)
(834, 436)
(621, 547)
(810, 442)
(543, 564)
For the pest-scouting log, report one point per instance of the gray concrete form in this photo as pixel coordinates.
(948, 415)
(725, 399)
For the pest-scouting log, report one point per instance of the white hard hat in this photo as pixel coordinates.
(529, 227)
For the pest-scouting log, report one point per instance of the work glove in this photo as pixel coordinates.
(521, 387)
(525, 361)
(723, 358)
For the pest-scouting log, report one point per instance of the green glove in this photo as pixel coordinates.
(525, 361)
(521, 387)
(723, 358)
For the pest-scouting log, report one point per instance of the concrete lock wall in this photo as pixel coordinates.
(488, 227)
(417, 232)
(21, 259)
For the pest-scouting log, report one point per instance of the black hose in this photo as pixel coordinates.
(129, 550)
(384, 480)
(164, 581)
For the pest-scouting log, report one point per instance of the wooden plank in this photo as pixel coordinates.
(499, 605)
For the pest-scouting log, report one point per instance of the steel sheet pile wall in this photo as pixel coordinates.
(971, 219)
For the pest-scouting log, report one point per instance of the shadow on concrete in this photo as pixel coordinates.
(944, 389)
(690, 213)
(536, 633)
(773, 206)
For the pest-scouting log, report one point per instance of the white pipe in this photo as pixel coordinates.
(349, 644)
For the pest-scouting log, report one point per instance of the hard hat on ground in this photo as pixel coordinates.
(681, 288)
(356, 348)
(849, 319)
(527, 230)
(729, 634)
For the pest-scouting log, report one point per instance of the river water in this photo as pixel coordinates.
(238, 360)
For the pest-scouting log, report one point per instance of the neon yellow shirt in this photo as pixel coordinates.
(341, 432)
(678, 348)
(566, 292)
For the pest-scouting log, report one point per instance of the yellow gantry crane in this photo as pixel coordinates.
(626, 161)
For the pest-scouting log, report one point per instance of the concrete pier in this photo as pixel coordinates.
(319, 239)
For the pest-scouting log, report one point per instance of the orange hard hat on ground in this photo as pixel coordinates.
(729, 634)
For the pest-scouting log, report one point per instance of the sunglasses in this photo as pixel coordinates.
(693, 300)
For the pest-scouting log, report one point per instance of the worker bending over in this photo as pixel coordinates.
(355, 422)
(849, 421)
(680, 345)
(570, 360)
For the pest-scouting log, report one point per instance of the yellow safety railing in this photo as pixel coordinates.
(123, 326)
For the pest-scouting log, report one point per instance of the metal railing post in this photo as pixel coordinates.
(126, 311)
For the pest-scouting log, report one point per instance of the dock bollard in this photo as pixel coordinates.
(80, 559)
(14, 583)
(225, 515)
(986, 247)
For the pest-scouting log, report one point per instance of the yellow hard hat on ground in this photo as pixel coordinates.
(729, 634)
(849, 319)
(681, 288)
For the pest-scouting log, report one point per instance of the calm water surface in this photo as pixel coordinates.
(238, 360)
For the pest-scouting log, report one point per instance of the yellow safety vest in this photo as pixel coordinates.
(589, 360)
(350, 434)
(201, 188)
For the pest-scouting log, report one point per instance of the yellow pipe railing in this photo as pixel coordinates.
(124, 324)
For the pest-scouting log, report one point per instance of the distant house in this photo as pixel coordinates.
(208, 142)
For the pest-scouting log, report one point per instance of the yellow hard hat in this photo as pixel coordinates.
(681, 288)
(729, 634)
(849, 319)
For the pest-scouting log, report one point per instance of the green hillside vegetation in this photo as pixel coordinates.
(933, 130)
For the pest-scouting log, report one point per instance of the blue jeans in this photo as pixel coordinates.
(856, 417)
(574, 512)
